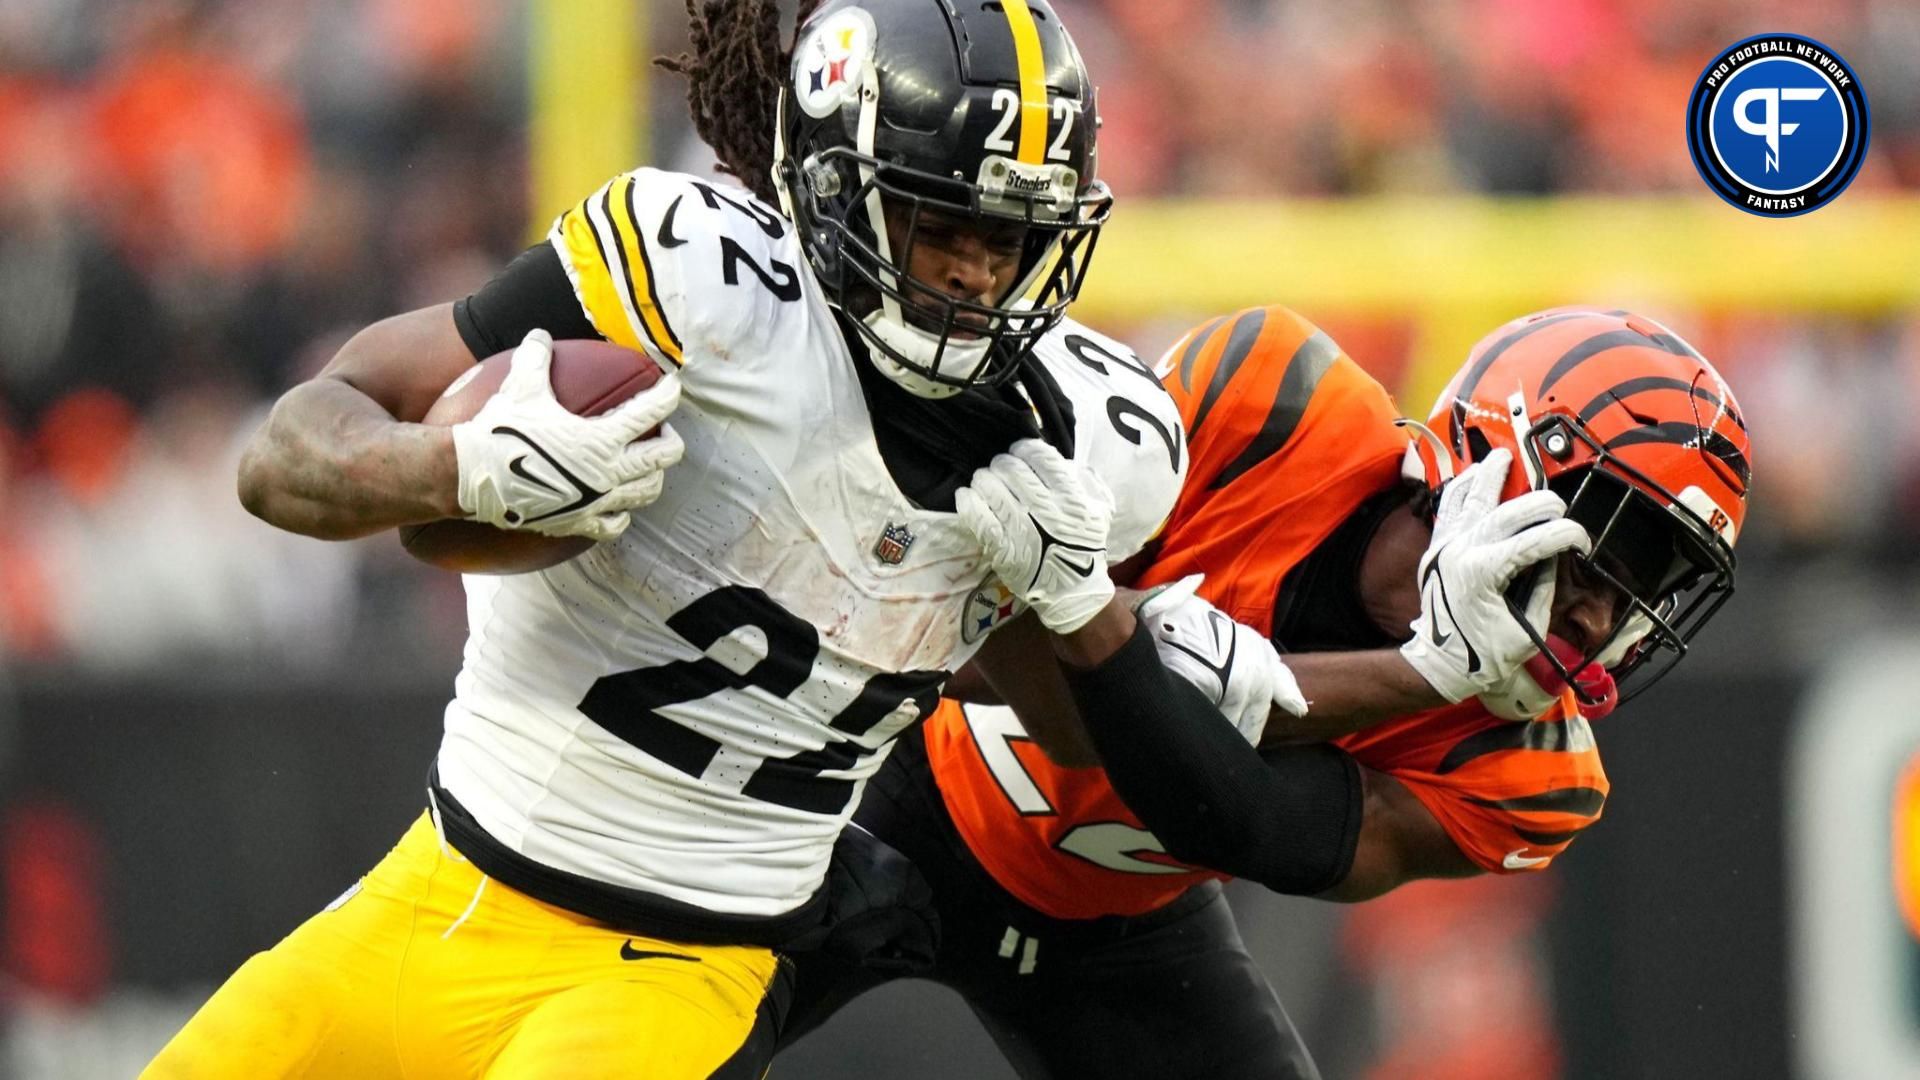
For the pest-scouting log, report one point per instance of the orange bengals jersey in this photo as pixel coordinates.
(1288, 438)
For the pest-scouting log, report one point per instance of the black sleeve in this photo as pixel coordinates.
(530, 293)
(1288, 818)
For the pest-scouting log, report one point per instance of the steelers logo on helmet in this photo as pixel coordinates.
(1778, 125)
(829, 66)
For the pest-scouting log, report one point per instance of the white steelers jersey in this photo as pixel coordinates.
(693, 709)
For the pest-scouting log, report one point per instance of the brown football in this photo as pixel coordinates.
(589, 377)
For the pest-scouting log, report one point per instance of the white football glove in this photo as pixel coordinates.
(1043, 521)
(1232, 663)
(1466, 640)
(1536, 686)
(527, 463)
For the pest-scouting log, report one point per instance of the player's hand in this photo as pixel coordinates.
(1537, 685)
(1466, 639)
(525, 462)
(1232, 663)
(1043, 521)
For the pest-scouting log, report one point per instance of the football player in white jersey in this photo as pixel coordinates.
(886, 440)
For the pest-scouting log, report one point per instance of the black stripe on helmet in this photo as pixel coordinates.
(1611, 339)
(1688, 433)
(1621, 391)
(1495, 350)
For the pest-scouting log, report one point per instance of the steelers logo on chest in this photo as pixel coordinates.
(989, 606)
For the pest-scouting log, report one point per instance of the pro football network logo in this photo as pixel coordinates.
(830, 65)
(1777, 125)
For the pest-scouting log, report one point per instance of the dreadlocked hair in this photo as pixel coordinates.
(734, 76)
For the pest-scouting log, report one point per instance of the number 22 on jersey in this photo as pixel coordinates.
(731, 625)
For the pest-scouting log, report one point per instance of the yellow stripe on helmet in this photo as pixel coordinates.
(1033, 82)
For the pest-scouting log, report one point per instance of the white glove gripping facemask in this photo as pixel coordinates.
(1466, 640)
(1233, 664)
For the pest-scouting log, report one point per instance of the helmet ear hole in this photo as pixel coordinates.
(1477, 444)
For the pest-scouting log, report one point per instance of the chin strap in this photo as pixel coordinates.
(921, 348)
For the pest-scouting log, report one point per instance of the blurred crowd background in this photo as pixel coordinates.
(201, 199)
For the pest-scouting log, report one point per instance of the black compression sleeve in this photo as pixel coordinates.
(530, 293)
(1288, 818)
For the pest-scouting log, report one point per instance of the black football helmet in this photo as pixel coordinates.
(979, 111)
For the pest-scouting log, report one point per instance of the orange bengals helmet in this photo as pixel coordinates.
(1641, 436)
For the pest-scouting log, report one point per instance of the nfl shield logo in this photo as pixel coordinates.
(893, 545)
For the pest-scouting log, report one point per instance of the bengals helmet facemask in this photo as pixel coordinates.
(1645, 442)
(980, 113)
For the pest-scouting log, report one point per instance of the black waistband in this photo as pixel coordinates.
(634, 911)
(903, 806)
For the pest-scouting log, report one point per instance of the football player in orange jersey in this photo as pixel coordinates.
(1088, 933)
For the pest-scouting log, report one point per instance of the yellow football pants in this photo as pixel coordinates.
(428, 969)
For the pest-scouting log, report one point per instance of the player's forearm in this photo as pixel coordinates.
(1348, 692)
(1287, 819)
(1036, 691)
(1400, 841)
(1101, 637)
(331, 463)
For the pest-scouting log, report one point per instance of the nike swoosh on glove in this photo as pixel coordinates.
(1042, 521)
(1232, 663)
(1466, 640)
(526, 462)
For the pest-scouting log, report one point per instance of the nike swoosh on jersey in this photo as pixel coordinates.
(1517, 859)
(665, 235)
(628, 952)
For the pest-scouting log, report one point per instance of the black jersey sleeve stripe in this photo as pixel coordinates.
(1192, 351)
(1304, 371)
(653, 293)
(1551, 736)
(1246, 331)
(1584, 801)
(619, 259)
(1545, 839)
